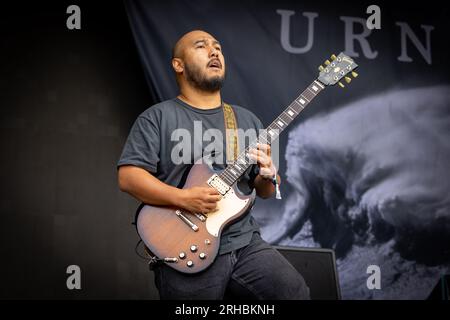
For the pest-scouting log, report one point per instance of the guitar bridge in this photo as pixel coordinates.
(217, 183)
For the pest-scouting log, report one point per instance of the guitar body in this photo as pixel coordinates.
(166, 235)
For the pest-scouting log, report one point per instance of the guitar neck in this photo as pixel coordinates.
(235, 170)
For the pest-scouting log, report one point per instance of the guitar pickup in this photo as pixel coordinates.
(186, 220)
(218, 184)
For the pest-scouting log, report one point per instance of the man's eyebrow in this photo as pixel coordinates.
(205, 40)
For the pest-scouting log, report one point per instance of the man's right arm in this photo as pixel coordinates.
(145, 187)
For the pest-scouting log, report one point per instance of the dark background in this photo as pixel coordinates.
(68, 100)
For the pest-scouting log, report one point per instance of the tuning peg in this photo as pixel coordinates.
(341, 84)
(348, 79)
(321, 68)
(333, 57)
(354, 74)
(327, 62)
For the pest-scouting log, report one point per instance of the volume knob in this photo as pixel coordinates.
(190, 264)
(194, 248)
(202, 255)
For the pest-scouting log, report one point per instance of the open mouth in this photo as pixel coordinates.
(215, 64)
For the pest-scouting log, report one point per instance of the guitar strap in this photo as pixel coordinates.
(231, 134)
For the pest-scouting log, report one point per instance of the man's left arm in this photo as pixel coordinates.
(264, 180)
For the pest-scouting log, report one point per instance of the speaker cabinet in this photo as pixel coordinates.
(442, 289)
(318, 268)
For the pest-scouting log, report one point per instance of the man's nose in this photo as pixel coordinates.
(214, 52)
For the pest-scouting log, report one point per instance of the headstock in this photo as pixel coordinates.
(337, 69)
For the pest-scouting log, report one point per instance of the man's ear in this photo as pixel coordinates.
(177, 65)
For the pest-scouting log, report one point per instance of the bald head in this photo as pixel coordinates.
(198, 61)
(188, 39)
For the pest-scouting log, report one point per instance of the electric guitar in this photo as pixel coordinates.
(188, 241)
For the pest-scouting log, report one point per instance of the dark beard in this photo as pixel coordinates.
(198, 80)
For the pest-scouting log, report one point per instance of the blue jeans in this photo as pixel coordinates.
(256, 271)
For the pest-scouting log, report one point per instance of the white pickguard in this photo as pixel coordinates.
(229, 206)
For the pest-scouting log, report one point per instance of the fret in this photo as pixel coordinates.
(224, 177)
(244, 166)
(315, 88)
(298, 104)
(272, 134)
(302, 106)
(303, 99)
(227, 175)
(291, 112)
(309, 94)
(287, 114)
(305, 94)
(263, 140)
(313, 93)
(276, 124)
(285, 118)
(310, 90)
(281, 121)
(232, 172)
(319, 84)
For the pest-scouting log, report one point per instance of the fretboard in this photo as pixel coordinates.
(235, 170)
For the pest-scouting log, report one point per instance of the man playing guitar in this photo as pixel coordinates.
(246, 265)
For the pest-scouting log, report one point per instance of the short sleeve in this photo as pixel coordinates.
(259, 124)
(143, 145)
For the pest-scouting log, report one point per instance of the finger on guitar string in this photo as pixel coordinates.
(260, 157)
(264, 147)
